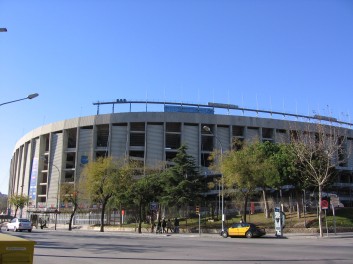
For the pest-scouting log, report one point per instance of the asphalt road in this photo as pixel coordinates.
(81, 246)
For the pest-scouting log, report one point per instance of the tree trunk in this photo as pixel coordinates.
(212, 211)
(140, 218)
(15, 212)
(245, 207)
(152, 221)
(320, 211)
(121, 216)
(267, 212)
(102, 216)
(299, 208)
(71, 217)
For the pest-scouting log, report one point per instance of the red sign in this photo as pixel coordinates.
(122, 212)
(324, 204)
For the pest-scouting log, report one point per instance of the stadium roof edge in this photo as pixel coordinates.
(225, 106)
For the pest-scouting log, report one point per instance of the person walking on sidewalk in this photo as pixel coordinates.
(176, 225)
(164, 224)
(169, 226)
(159, 227)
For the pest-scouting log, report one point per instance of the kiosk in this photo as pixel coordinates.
(280, 221)
(16, 250)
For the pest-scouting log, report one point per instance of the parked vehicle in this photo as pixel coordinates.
(19, 224)
(248, 230)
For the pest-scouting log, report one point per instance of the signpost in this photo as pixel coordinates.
(153, 208)
(335, 202)
(324, 206)
(198, 212)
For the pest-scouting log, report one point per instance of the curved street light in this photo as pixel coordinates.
(207, 129)
(31, 96)
(3, 29)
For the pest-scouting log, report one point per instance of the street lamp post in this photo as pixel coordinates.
(31, 96)
(3, 29)
(206, 128)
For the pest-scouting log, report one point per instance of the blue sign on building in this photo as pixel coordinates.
(188, 109)
(84, 159)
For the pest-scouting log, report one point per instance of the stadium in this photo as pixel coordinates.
(55, 153)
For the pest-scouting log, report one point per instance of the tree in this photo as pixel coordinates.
(287, 165)
(319, 152)
(182, 183)
(237, 167)
(106, 177)
(3, 203)
(250, 166)
(209, 199)
(19, 201)
(144, 191)
(69, 193)
(265, 172)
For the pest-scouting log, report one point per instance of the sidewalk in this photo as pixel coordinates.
(215, 234)
(317, 235)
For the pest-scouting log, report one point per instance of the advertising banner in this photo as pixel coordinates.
(33, 184)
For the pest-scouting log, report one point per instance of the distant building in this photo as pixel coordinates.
(149, 137)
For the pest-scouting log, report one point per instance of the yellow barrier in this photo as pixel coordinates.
(15, 249)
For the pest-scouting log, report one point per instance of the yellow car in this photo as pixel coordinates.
(248, 230)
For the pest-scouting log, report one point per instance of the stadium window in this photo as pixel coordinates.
(172, 141)
(71, 138)
(137, 126)
(238, 131)
(137, 139)
(173, 127)
(102, 135)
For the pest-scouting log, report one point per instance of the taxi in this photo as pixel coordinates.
(248, 230)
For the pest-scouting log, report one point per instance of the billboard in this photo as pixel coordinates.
(33, 184)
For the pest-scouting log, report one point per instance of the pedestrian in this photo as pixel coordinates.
(169, 226)
(158, 230)
(164, 224)
(176, 225)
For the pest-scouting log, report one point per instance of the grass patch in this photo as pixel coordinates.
(344, 218)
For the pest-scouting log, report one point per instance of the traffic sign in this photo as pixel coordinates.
(324, 204)
(154, 206)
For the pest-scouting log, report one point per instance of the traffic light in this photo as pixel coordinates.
(198, 209)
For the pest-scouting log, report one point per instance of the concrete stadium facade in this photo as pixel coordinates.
(150, 137)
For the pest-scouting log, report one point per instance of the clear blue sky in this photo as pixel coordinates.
(293, 55)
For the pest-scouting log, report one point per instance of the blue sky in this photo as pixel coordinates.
(294, 56)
